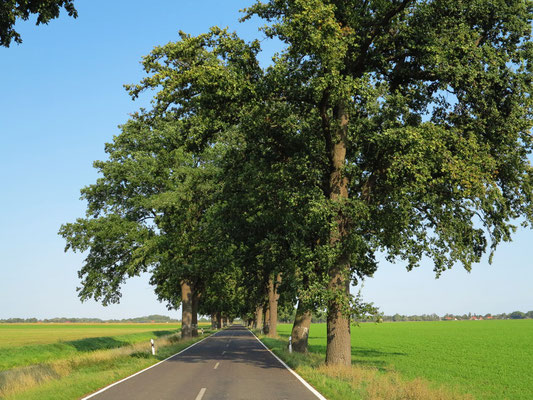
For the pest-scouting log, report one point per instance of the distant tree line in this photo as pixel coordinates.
(285, 315)
(450, 317)
(146, 319)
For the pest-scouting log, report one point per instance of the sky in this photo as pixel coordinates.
(62, 99)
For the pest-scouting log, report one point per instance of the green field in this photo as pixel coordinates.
(66, 361)
(27, 344)
(488, 359)
(29, 334)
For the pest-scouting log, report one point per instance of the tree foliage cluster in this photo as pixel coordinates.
(13, 10)
(393, 126)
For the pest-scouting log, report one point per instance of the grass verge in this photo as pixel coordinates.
(85, 373)
(358, 382)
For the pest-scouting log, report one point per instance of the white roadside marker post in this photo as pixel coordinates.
(153, 346)
(290, 344)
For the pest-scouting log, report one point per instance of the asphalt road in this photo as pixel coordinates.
(232, 364)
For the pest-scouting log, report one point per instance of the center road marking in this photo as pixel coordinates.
(201, 394)
(223, 352)
(216, 366)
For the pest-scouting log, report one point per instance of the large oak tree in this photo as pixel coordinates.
(424, 113)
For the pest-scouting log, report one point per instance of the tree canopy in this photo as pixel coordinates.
(401, 127)
(11, 10)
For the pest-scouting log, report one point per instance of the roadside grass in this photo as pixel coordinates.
(486, 359)
(85, 372)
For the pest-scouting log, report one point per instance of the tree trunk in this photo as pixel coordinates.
(258, 317)
(194, 321)
(186, 310)
(219, 320)
(266, 321)
(300, 329)
(213, 321)
(273, 297)
(338, 351)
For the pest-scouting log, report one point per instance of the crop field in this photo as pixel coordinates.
(40, 361)
(30, 334)
(486, 359)
(27, 344)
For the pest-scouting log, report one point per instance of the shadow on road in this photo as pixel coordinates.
(235, 343)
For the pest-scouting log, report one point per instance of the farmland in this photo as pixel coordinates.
(30, 334)
(487, 359)
(27, 344)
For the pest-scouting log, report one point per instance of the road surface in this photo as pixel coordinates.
(232, 364)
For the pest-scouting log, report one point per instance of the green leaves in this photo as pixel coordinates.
(117, 249)
(11, 10)
(203, 82)
(375, 129)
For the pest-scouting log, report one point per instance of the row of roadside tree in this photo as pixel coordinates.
(246, 188)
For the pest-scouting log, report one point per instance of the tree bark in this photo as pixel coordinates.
(194, 320)
(213, 321)
(186, 310)
(219, 320)
(266, 321)
(338, 350)
(258, 317)
(300, 329)
(273, 297)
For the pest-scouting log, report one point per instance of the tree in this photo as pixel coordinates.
(424, 126)
(517, 315)
(11, 10)
(148, 214)
(152, 209)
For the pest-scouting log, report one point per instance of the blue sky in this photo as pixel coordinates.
(62, 99)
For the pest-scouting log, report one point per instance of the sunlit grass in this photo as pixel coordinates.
(20, 356)
(31, 334)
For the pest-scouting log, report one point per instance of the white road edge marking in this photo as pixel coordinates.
(146, 369)
(304, 382)
(216, 365)
(201, 394)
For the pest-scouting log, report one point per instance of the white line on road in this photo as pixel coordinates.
(307, 385)
(223, 352)
(201, 394)
(216, 366)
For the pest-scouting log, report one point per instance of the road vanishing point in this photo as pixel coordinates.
(231, 364)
